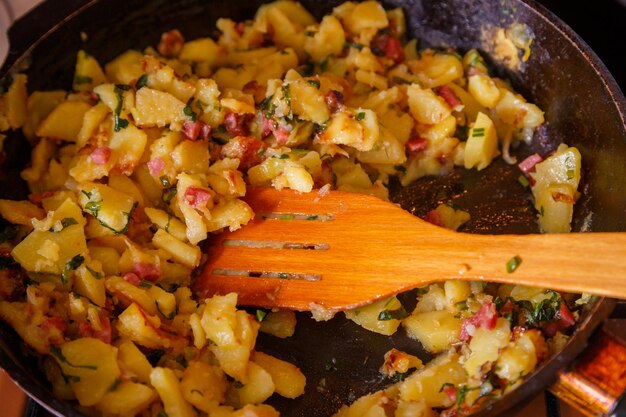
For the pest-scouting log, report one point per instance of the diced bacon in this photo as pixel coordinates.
(394, 50)
(155, 166)
(147, 271)
(566, 318)
(86, 329)
(197, 197)
(416, 144)
(54, 322)
(132, 278)
(196, 130)
(486, 318)
(171, 43)
(389, 47)
(36, 198)
(236, 124)
(563, 198)
(240, 27)
(448, 95)
(268, 126)
(247, 149)
(334, 100)
(450, 391)
(282, 135)
(434, 217)
(528, 164)
(101, 155)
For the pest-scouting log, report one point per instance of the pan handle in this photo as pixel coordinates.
(595, 383)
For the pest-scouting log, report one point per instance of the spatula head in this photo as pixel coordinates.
(309, 251)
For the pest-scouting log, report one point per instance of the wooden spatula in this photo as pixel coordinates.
(341, 250)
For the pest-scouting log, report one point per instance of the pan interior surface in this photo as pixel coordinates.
(583, 106)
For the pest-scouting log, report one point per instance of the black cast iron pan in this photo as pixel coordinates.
(584, 107)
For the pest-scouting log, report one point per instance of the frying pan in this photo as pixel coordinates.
(583, 105)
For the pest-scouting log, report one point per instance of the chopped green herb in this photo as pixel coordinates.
(400, 80)
(168, 194)
(309, 33)
(360, 116)
(56, 351)
(398, 377)
(397, 314)
(162, 414)
(82, 79)
(314, 83)
(324, 65)
(115, 384)
(286, 94)
(283, 275)
(66, 222)
(238, 385)
(145, 283)
(282, 156)
(189, 111)
(142, 81)
(513, 263)
(70, 266)
(95, 274)
(355, 45)
(260, 315)
(286, 216)
(461, 305)
(165, 182)
(263, 104)
(313, 217)
(400, 168)
(523, 181)
(167, 225)
(570, 174)
(120, 123)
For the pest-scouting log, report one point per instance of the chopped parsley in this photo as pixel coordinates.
(56, 351)
(513, 263)
(66, 222)
(314, 83)
(70, 266)
(95, 274)
(168, 194)
(260, 315)
(397, 314)
(189, 111)
(82, 79)
(523, 181)
(142, 81)
(120, 123)
(360, 116)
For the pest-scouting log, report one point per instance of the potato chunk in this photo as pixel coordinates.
(166, 383)
(288, 380)
(64, 122)
(157, 108)
(128, 399)
(482, 143)
(91, 366)
(436, 330)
